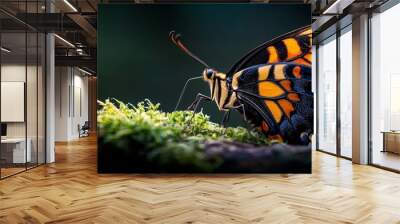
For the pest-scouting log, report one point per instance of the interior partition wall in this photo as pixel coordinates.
(22, 101)
(334, 94)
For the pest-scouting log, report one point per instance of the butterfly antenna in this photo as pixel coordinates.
(176, 39)
(183, 90)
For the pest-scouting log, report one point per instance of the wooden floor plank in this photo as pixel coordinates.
(71, 191)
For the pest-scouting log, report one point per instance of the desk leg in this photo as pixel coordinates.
(384, 142)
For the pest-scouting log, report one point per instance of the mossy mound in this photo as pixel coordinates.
(142, 138)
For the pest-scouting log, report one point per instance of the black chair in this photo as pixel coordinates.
(84, 130)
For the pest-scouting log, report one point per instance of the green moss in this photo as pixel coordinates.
(166, 139)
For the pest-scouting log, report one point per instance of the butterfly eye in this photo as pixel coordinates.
(209, 73)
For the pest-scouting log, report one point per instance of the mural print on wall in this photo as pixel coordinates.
(268, 89)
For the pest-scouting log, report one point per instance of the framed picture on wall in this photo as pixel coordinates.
(204, 88)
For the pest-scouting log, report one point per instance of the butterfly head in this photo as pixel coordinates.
(216, 80)
(209, 74)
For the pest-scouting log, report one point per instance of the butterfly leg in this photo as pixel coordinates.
(225, 119)
(199, 98)
(241, 107)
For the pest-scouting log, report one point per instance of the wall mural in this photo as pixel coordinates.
(240, 114)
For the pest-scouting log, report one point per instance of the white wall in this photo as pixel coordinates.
(16, 72)
(71, 102)
(62, 81)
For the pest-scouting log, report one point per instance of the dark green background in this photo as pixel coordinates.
(136, 59)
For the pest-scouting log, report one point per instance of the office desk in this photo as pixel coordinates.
(391, 141)
(15, 148)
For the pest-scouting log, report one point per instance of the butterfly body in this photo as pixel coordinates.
(272, 87)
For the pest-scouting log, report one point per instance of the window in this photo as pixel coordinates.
(327, 95)
(345, 43)
(334, 94)
(385, 89)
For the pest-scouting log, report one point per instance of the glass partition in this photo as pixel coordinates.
(22, 101)
(327, 95)
(14, 155)
(41, 97)
(41, 87)
(31, 99)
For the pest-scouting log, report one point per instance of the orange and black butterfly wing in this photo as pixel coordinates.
(291, 47)
(278, 99)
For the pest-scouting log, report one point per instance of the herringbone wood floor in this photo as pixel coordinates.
(70, 191)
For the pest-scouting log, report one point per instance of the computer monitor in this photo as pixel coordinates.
(3, 129)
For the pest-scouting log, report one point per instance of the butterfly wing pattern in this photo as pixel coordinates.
(273, 82)
(294, 47)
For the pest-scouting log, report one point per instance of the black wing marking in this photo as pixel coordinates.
(266, 116)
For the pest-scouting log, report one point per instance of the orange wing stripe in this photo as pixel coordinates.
(308, 56)
(276, 138)
(286, 106)
(287, 85)
(273, 54)
(301, 61)
(263, 72)
(264, 126)
(294, 97)
(269, 89)
(293, 48)
(307, 32)
(275, 110)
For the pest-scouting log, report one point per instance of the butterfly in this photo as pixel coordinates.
(270, 86)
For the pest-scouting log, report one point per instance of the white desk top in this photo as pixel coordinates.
(13, 140)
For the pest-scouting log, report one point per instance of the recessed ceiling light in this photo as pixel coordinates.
(328, 10)
(84, 71)
(5, 50)
(64, 40)
(70, 5)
